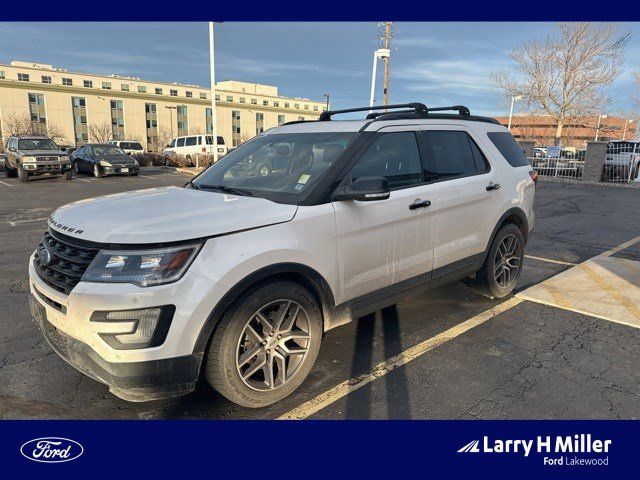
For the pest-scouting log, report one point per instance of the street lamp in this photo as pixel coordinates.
(514, 99)
(379, 54)
(598, 127)
(624, 132)
(327, 96)
(171, 117)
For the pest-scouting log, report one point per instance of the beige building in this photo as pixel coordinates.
(85, 108)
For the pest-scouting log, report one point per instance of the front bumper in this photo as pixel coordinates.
(120, 170)
(39, 168)
(136, 381)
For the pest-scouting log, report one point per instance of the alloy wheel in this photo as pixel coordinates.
(273, 345)
(507, 260)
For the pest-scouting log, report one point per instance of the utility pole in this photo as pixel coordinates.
(327, 96)
(214, 117)
(387, 46)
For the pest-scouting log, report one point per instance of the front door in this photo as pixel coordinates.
(385, 242)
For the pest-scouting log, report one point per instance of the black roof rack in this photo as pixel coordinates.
(418, 108)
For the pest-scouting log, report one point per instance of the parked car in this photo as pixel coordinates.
(236, 275)
(192, 146)
(3, 160)
(26, 156)
(620, 158)
(104, 159)
(130, 147)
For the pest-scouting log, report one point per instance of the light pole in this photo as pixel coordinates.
(327, 96)
(171, 118)
(598, 127)
(624, 132)
(514, 99)
(214, 120)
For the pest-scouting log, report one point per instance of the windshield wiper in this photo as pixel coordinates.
(224, 188)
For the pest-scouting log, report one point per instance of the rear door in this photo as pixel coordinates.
(467, 191)
(385, 242)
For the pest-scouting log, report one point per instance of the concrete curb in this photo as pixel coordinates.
(583, 182)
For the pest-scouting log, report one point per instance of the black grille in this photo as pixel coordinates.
(69, 260)
(42, 158)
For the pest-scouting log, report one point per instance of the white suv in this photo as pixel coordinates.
(237, 275)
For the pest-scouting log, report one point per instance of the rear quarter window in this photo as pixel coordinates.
(509, 148)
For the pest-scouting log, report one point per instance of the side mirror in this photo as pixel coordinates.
(168, 146)
(365, 189)
(63, 149)
(12, 149)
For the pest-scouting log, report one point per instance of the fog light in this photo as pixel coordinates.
(143, 328)
(29, 166)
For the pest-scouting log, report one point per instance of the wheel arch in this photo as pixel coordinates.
(514, 215)
(296, 272)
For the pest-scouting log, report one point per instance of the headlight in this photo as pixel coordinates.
(105, 164)
(144, 268)
(135, 163)
(28, 159)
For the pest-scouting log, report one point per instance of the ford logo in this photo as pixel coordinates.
(51, 450)
(45, 256)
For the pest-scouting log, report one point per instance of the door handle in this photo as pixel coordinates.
(419, 204)
(493, 186)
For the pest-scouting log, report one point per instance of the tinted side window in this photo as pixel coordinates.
(180, 142)
(393, 156)
(453, 153)
(191, 141)
(509, 148)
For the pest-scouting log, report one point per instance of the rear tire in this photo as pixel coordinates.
(502, 267)
(10, 172)
(67, 175)
(23, 176)
(243, 343)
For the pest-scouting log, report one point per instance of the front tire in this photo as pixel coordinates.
(67, 175)
(23, 176)
(9, 172)
(265, 344)
(502, 267)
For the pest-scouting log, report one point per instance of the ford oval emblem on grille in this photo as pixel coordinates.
(45, 256)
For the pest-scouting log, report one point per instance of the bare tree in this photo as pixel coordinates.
(100, 133)
(164, 138)
(564, 74)
(21, 124)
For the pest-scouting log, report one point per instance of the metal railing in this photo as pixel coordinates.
(558, 167)
(621, 162)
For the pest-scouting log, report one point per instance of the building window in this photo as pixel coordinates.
(229, 98)
(259, 123)
(306, 107)
(124, 87)
(23, 77)
(37, 110)
(208, 121)
(217, 97)
(203, 96)
(142, 89)
(235, 128)
(106, 85)
(1, 75)
(286, 104)
(265, 103)
(254, 101)
(173, 93)
(80, 127)
(315, 108)
(281, 119)
(243, 100)
(67, 81)
(188, 94)
(117, 119)
(46, 79)
(158, 91)
(151, 115)
(183, 122)
(276, 104)
(88, 83)
(296, 106)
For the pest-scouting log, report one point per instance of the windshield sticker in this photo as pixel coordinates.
(304, 178)
(299, 187)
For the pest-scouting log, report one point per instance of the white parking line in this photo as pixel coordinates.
(19, 222)
(380, 370)
(549, 260)
(84, 180)
(7, 184)
(146, 176)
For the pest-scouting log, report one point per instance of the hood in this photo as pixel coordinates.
(166, 214)
(47, 153)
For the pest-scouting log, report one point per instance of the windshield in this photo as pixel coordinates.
(108, 151)
(131, 145)
(37, 144)
(280, 167)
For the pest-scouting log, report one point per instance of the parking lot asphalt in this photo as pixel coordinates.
(443, 354)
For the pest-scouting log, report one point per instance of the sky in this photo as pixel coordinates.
(433, 63)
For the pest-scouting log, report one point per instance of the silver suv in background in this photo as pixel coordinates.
(35, 155)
